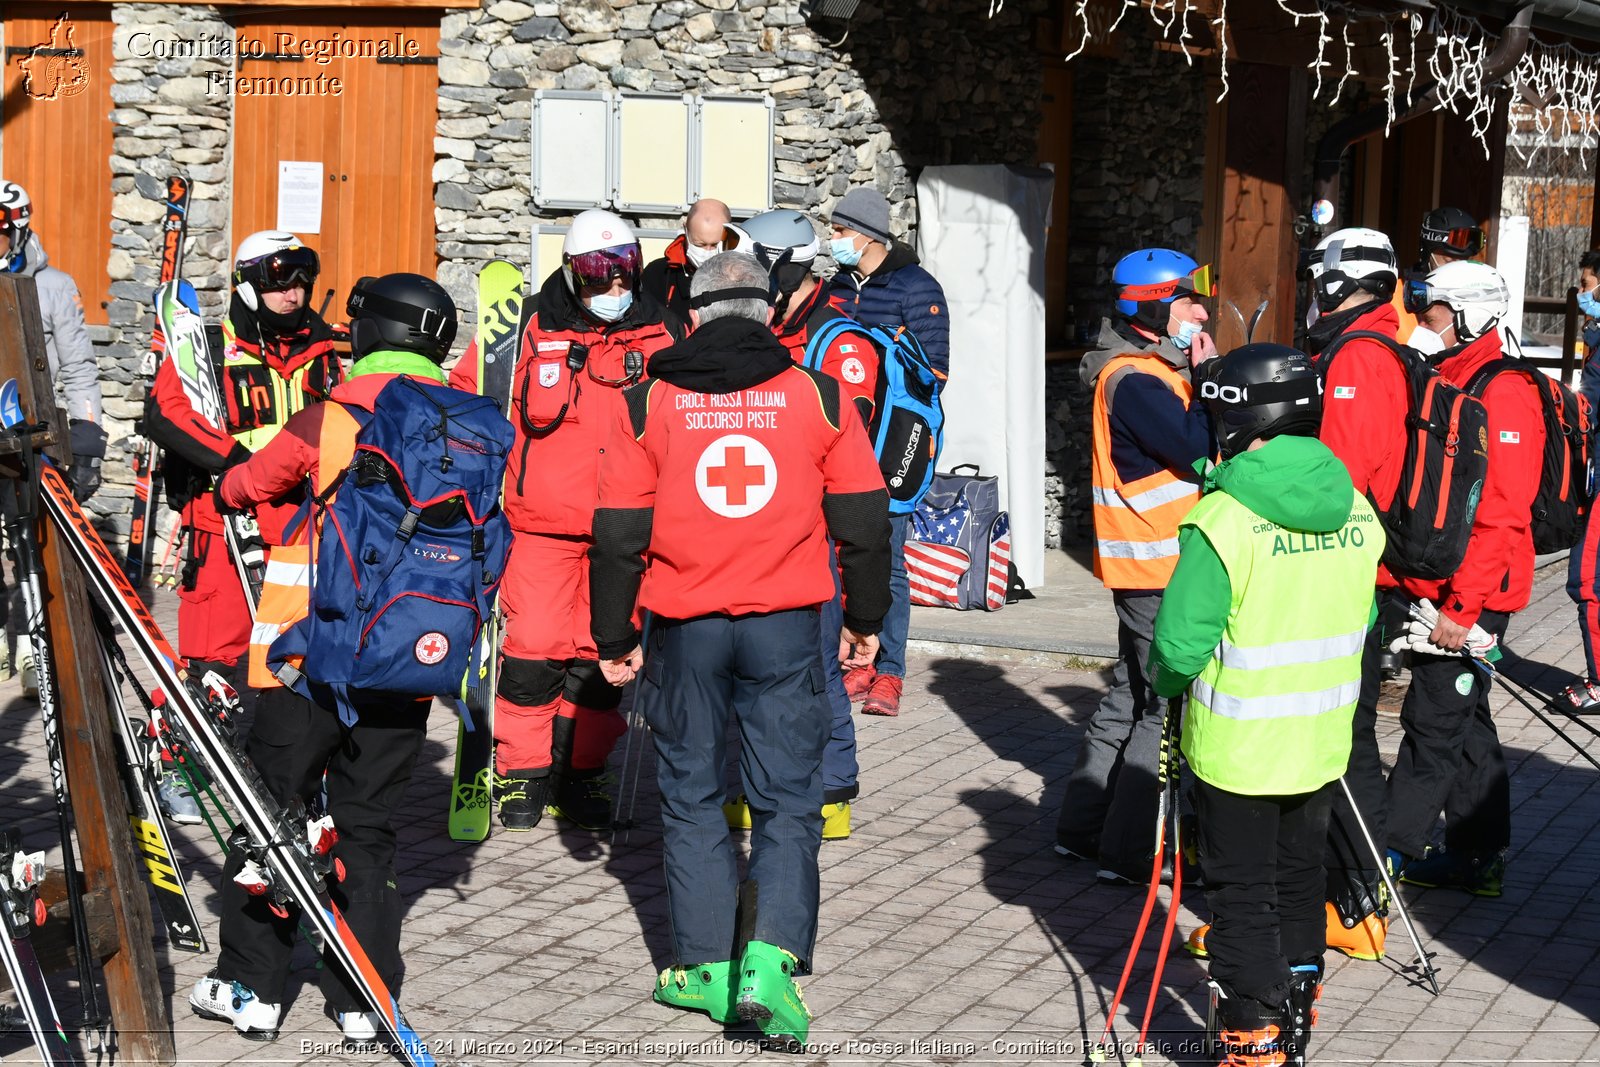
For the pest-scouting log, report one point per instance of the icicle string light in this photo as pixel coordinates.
(1564, 79)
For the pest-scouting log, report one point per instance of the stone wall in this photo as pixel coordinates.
(162, 120)
(915, 85)
(1138, 159)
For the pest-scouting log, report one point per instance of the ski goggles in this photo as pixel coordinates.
(1197, 282)
(15, 216)
(1462, 241)
(598, 268)
(284, 269)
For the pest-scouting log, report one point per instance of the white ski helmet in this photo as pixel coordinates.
(600, 246)
(1474, 291)
(1350, 259)
(270, 260)
(16, 212)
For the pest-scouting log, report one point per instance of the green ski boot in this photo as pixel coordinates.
(768, 996)
(706, 987)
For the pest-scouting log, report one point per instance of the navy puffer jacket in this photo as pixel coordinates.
(899, 293)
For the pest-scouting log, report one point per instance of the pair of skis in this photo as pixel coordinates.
(146, 456)
(500, 327)
(20, 911)
(291, 861)
(179, 323)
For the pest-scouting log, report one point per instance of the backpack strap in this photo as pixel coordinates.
(1324, 361)
(817, 344)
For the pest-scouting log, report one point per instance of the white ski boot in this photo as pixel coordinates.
(231, 1002)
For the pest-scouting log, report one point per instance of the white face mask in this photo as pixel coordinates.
(696, 255)
(1426, 341)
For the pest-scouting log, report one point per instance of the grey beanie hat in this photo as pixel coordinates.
(865, 211)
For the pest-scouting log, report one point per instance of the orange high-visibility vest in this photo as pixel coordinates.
(1136, 523)
(286, 589)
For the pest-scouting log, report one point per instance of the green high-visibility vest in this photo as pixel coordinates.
(1271, 713)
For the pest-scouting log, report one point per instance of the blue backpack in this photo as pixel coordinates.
(907, 421)
(410, 551)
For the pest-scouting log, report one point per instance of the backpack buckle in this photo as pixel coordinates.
(408, 525)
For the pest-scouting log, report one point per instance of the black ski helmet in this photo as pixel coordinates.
(1450, 232)
(405, 311)
(1260, 391)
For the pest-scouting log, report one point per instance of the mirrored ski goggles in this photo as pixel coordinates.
(1417, 295)
(598, 268)
(285, 269)
(1197, 282)
(1465, 241)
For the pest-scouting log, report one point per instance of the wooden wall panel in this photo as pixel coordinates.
(1257, 247)
(59, 149)
(373, 137)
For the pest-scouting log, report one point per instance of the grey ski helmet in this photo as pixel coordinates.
(1260, 391)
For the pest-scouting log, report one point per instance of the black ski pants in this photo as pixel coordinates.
(1262, 861)
(292, 743)
(1450, 758)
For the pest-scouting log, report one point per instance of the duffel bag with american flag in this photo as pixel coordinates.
(958, 549)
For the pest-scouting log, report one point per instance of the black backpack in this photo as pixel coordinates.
(1447, 455)
(1563, 495)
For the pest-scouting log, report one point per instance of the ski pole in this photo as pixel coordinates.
(1506, 684)
(20, 530)
(1169, 776)
(1574, 716)
(636, 721)
(1099, 1053)
(1394, 890)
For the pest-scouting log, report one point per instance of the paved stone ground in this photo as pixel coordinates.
(950, 932)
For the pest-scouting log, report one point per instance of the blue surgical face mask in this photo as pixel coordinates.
(844, 251)
(608, 308)
(1187, 331)
(1589, 305)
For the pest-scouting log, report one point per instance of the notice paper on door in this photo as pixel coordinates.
(299, 197)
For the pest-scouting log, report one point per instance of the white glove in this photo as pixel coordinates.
(1418, 633)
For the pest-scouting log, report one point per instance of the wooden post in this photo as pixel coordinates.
(105, 845)
(1257, 251)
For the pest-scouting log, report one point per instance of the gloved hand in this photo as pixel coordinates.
(1417, 636)
(88, 443)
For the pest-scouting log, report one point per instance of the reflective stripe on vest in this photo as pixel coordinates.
(1268, 715)
(288, 393)
(1136, 523)
(286, 588)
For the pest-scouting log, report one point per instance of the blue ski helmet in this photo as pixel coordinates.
(1149, 280)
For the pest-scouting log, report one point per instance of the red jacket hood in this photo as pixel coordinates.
(675, 253)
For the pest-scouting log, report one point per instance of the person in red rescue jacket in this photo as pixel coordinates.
(1450, 756)
(707, 229)
(722, 482)
(555, 718)
(1353, 276)
(276, 358)
(300, 745)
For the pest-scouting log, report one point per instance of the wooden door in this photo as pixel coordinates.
(55, 140)
(366, 120)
